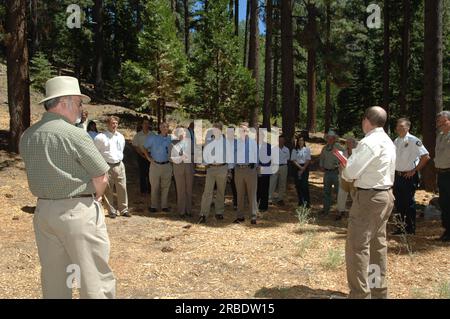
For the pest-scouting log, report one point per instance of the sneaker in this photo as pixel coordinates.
(238, 220)
(152, 210)
(202, 220)
(112, 215)
(253, 222)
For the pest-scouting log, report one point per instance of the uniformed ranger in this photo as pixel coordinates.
(412, 156)
(69, 176)
(372, 168)
(442, 163)
(330, 165)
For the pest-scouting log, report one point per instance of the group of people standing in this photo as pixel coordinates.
(70, 171)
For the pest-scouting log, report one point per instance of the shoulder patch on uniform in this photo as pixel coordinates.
(419, 143)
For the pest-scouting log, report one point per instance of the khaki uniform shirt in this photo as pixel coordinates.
(60, 159)
(442, 157)
(327, 159)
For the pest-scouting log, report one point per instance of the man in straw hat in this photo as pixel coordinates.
(68, 175)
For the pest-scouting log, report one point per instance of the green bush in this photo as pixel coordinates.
(40, 70)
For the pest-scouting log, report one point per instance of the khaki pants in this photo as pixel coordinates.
(246, 182)
(184, 179)
(118, 178)
(71, 234)
(160, 179)
(215, 175)
(278, 183)
(366, 243)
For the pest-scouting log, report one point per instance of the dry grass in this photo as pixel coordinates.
(162, 256)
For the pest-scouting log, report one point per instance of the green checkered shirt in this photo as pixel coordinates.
(60, 159)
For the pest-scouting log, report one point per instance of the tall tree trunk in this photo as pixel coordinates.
(247, 18)
(287, 72)
(432, 100)
(253, 58)
(236, 17)
(312, 29)
(99, 45)
(17, 73)
(327, 70)
(187, 22)
(297, 103)
(268, 66)
(405, 57)
(386, 62)
(276, 62)
(34, 28)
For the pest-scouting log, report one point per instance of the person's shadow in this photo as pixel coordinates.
(298, 292)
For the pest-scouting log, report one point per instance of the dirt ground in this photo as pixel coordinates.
(163, 256)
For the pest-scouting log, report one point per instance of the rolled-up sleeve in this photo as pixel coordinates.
(361, 157)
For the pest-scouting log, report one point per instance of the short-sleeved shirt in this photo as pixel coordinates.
(283, 154)
(60, 159)
(408, 149)
(442, 158)
(301, 155)
(158, 147)
(327, 159)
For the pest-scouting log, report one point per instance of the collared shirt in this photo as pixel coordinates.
(180, 152)
(372, 163)
(215, 151)
(283, 153)
(158, 147)
(246, 151)
(111, 146)
(82, 125)
(60, 159)
(327, 159)
(301, 155)
(409, 149)
(442, 158)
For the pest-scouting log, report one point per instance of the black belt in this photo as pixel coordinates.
(282, 164)
(161, 163)
(216, 165)
(373, 189)
(77, 196)
(114, 164)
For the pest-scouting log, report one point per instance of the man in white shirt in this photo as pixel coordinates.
(278, 180)
(372, 167)
(111, 145)
(412, 156)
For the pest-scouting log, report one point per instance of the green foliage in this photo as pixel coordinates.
(333, 260)
(40, 70)
(160, 70)
(223, 89)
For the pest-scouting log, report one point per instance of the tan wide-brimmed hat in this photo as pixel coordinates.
(63, 86)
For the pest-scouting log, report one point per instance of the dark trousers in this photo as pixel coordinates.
(144, 181)
(405, 204)
(444, 199)
(262, 193)
(233, 188)
(302, 187)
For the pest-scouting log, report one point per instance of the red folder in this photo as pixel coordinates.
(340, 156)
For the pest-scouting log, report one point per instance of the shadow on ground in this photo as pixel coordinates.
(297, 292)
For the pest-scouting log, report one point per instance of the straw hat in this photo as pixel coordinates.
(63, 86)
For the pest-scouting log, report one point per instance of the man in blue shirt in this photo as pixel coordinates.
(246, 175)
(157, 154)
